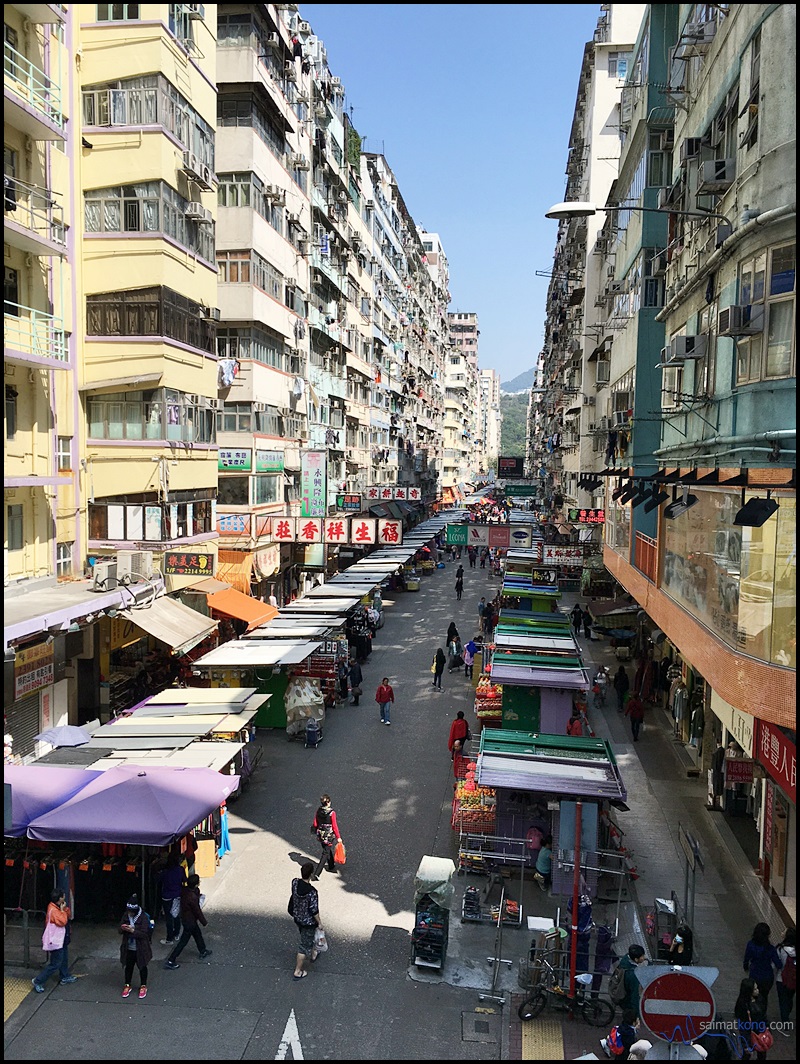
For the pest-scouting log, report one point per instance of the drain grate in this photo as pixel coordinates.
(480, 1027)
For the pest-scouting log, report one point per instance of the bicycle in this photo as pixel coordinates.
(598, 1012)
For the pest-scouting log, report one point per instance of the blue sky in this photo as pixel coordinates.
(472, 107)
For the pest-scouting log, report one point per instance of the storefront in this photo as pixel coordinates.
(776, 751)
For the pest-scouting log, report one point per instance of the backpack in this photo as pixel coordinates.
(616, 985)
(789, 973)
(614, 1042)
(300, 906)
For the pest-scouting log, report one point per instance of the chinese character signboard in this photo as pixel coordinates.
(390, 532)
(184, 563)
(33, 669)
(336, 530)
(562, 555)
(510, 467)
(586, 517)
(313, 484)
(373, 493)
(349, 503)
(309, 530)
(401, 493)
(269, 461)
(778, 755)
(414, 494)
(233, 524)
(738, 770)
(239, 459)
(362, 531)
(283, 529)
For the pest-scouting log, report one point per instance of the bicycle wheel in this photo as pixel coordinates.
(532, 1006)
(598, 1013)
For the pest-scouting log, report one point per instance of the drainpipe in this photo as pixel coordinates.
(758, 437)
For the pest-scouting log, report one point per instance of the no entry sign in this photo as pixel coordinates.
(677, 1006)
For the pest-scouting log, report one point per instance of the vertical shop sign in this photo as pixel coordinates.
(779, 757)
(313, 484)
(769, 810)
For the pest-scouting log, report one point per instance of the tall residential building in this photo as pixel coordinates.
(490, 418)
(461, 401)
(695, 416)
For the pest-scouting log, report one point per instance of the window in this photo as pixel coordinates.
(64, 453)
(266, 489)
(181, 25)
(117, 12)
(618, 64)
(11, 43)
(11, 412)
(64, 559)
(150, 312)
(160, 414)
(704, 368)
(235, 110)
(768, 280)
(233, 491)
(137, 518)
(11, 292)
(14, 529)
(750, 109)
(659, 164)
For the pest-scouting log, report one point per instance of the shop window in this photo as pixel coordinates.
(767, 284)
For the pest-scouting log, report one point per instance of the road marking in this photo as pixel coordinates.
(290, 1038)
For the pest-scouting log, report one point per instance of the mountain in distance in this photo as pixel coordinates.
(523, 382)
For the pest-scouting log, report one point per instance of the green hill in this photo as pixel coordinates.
(514, 409)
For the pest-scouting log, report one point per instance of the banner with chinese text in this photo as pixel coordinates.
(313, 484)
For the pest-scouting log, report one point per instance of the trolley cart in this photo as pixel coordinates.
(433, 898)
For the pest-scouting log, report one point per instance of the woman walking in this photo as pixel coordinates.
(459, 587)
(750, 1014)
(761, 962)
(621, 686)
(439, 662)
(384, 696)
(326, 829)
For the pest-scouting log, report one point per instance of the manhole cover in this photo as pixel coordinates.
(477, 1027)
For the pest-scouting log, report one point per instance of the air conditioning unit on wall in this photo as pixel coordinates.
(134, 563)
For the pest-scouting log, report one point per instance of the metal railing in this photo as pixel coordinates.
(19, 921)
(34, 208)
(32, 85)
(34, 332)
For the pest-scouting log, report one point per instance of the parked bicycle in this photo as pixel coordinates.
(597, 1011)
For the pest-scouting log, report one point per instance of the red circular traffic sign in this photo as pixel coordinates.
(677, 1006)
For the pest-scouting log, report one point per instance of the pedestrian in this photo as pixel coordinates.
(471, 553)
(681, 949)
(459, 730)
(135, 950)
(587, 624)
(635, 710)
(575, 723)
(459, 587)
(761, 962)
(171, 879)
(484, 556)
(600, 685)
(326, 829)
(55, 942)
(452, 632)
(621, 686)
(304, 910)
(384, 696)
(786, 978)
(481, 609)
(633, 959)
(460, 572)
(576, 613)
(437, 668)
(623, 1041)
(356, 679)
(470, 650)
(192, 916)
(454, 654)
(343, 675)
(751, 1020)
(544, 863)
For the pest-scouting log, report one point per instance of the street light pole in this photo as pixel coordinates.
(580, 209)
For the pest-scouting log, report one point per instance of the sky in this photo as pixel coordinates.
(472, 107)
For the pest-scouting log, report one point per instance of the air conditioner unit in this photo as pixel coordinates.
(667, 140)
(273, 41)
(317, 276)
(293, 218)
(610, 271)
(304, 27)
(212, 314)
(700, 34)
(741, 320)
(686, 347)
(302, 434)
(192, 164)
(664, 202)
(134, 563)
(198, 212)
(195, 11)
(303, 246)
(336, 83)
(716, 175)
(690, 149)
(604, 424)
(320, 110)
(104, 576)
(659, 264)
(663, 360)
(589, 400)
(289, 71)
(723, 231)
(298, 162)
(302, 97)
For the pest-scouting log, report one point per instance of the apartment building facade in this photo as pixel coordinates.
(699, 249)
(461, 403)
(490, 418)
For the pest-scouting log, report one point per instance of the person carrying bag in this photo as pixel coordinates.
(53, 939)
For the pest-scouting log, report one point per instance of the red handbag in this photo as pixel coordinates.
(339, 855)
(762, 1041)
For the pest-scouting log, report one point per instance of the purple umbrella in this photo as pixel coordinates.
(37, 789)
(131, 805)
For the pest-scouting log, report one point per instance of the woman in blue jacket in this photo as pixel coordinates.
(762, 961)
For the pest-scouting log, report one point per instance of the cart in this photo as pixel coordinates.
(433, 897)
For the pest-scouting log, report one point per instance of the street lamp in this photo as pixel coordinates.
(580, 209)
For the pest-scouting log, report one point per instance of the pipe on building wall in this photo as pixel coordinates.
(758, 437)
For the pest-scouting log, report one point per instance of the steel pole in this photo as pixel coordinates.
(576, 890)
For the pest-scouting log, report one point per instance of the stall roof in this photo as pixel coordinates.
(379, 511)
(169, 621)
(279, 631)
(243, 607)
(321, 605)
(207, 709)
(141, 724)
(140, 742)
(523, 642)
(254, 653)
(555, 764)
(528, 676)
(36, 789)
(192, 696)
(323, 591)
(215, 756)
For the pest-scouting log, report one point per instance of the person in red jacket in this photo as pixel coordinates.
(384, 696)
(459, 730)
(575, 722)
(635, 710)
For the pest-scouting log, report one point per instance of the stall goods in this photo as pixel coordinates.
(488, 703)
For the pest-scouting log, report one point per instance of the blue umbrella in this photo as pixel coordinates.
(66, 735)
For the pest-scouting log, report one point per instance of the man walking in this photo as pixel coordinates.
(587, 624)
(304, 910)
(356, 677)
(191, 917)
(384, 696)
(576, 613)
(459, 585)
(635, 710)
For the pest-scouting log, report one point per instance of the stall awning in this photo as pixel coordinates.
(235, 568)
(379, 511)
(243, 607)
(395, 511)
(180, 627)
(254, 654)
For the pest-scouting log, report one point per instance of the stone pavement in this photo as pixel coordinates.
(392, 788)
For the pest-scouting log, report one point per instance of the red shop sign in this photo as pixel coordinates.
(778, 756)
(738, 770)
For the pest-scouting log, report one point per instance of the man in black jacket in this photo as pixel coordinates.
(191, 917)
(356, 679)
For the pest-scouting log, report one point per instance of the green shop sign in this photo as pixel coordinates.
(457, 534)
(269, 461)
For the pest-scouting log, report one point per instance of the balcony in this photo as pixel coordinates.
(34, 222)
(41, 14)
(33, 337)
(33, 100)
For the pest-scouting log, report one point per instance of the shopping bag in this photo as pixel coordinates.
(339, 854)
(53, 937)
(320, 941)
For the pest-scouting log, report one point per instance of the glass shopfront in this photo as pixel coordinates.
(739, 582)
